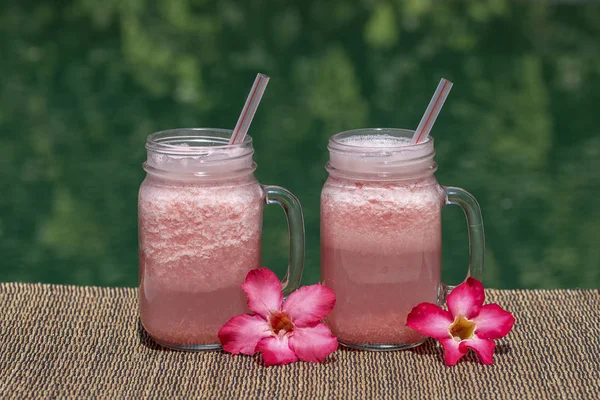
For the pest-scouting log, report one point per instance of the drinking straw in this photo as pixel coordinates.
(432, 111)
(243, 123)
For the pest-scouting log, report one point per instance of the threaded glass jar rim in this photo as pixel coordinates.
(196, 141)
(340, 143)
(198, 152)
(380, 154)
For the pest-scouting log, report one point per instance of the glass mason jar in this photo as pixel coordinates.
(381, 235)
(200, 212)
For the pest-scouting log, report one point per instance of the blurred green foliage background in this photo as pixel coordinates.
(84, 82)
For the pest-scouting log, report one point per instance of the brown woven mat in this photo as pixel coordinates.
(66, 341)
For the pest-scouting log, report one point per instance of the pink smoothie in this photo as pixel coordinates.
(380, 252)
(198, 240)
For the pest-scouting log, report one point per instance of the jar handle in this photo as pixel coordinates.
(295, 220)
(469, 205)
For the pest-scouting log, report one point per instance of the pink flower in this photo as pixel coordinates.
(467, 324)
(286, 332)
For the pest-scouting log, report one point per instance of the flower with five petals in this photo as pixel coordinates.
(282, 331)
(467, 324)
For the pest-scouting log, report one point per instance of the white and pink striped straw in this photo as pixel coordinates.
(243, 123)
(432, 112)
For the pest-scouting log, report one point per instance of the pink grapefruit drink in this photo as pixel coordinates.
(200, 212)
(197, 243)
(380, 236)
(200, 219)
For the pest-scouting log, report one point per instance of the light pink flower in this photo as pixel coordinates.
(467, 324)
(286, 332)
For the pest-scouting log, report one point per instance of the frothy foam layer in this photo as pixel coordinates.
(208, 153)
(380, 154)
(375, 141)
(186, 158)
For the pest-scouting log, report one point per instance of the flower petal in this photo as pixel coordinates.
(313, 344)
(276, 350)
(452, 351)
(483, 347)
(493, 322)
(466, 299)
(309, 304)
(242, 333)
(429, 319)
(264, 291)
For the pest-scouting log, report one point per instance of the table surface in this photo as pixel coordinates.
(70, 341)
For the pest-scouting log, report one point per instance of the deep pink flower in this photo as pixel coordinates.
(467, 324)
(286, 332)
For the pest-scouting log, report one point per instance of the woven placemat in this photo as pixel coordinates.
(68, 341)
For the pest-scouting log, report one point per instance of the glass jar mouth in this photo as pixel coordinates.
(380, 142)
(199, 152)
(197, 142)
(380, 153)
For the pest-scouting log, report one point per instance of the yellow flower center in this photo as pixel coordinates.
(280, 321)
(462, 329)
